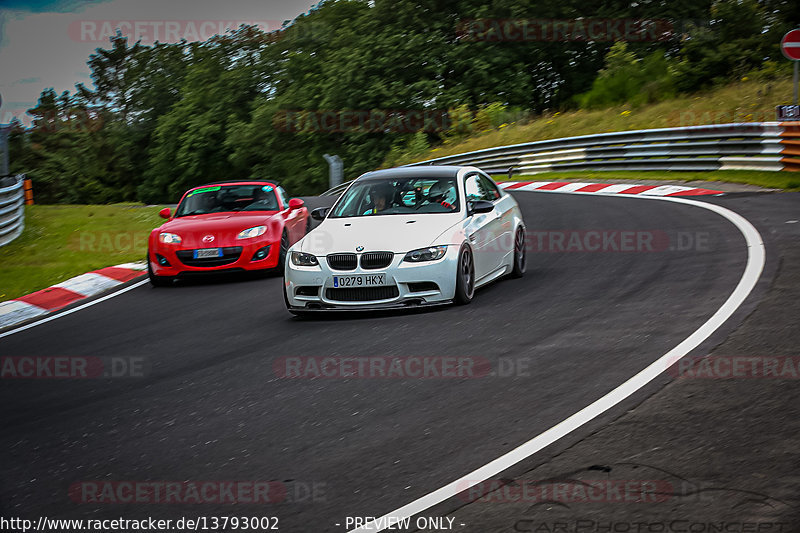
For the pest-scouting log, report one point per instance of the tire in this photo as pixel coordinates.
(282, 254)
(157, 281)
(308, 224)
(465, 277)
(520, 258)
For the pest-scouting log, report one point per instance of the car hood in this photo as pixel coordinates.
(390, 233)
(223, 226)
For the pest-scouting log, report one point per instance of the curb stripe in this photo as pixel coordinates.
(62, 294)
(593, 187)
(694, 192)
(51, 298)
(119, 274)
(552, 185)
(14, 311)
(638, 189)
(608, 188)
(87, 284)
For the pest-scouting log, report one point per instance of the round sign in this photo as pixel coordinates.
(790, 45)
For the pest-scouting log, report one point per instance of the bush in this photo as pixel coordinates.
(628, 79)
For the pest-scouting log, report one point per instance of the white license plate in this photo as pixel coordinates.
(207, 252)
(361, 280)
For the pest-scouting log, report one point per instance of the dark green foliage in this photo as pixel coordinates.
(626, 78)
(165, 117)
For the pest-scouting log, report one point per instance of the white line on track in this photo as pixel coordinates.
(74, 309)
(752, 271)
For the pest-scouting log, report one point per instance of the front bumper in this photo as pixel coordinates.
(416, 284)
(240, 256)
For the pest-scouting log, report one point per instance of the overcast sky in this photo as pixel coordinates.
(46, 43)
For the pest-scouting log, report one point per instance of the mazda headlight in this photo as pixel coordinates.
(303, 259)
(169, 238)
(426, 254)
(249, 233)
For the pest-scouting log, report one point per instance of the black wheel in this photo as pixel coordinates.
(465, 277)
(157, 281)
(282, 255)
(520, 260)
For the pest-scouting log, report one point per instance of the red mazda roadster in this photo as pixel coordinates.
(226, 227)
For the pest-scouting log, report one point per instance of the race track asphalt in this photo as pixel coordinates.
(211, 406)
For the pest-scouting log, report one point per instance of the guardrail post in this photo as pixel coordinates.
(12, 208)
(335, 167)
(28, 186)
(511, 172)
(4, 131)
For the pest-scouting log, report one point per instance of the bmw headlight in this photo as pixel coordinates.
(426, 254)
(169, 238)
(249, 233)
(303, 259)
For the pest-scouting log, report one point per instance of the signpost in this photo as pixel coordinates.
(790, 46)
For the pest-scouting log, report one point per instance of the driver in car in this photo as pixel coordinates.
(210, 202)
(264, 200)
(381, 195)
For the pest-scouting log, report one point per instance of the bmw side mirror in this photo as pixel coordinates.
(481, 206)
(319, 213)
(164, 213)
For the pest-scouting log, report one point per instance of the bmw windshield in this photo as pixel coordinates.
(228, 198)
(398, 197)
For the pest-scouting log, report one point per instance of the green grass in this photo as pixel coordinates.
(771, 180)
(748, 100)
(62, 241)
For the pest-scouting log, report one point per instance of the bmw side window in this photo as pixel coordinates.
(472, 188)
(489, 189)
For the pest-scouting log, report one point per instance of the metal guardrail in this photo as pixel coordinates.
(339, 189)
(772, 146)
(12, 209)
(769, 146)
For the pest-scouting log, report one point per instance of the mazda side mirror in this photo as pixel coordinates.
(296, 203)
(320, 213)
(164, 213)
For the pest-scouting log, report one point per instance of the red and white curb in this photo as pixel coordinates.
(62, 294)
(606, 188)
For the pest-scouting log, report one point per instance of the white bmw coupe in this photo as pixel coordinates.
(405, 237)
